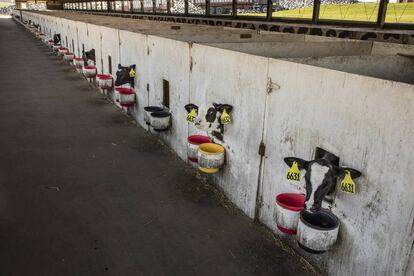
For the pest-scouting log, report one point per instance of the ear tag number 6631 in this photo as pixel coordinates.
(294, 172)
(225, 118)
(132, 73)
(347, 184)
(192, 115)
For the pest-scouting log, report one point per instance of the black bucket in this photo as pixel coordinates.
(160, 121)
(322, 220)
(150, 109)
(322, 223)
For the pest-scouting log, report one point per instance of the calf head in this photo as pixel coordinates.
(56, 39)
(125, 74)
(89, 57)
(211, 118)
(320, 177)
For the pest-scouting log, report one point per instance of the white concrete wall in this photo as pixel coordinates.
(133, 50)
(72, 35)
(382, 49)
(176, 72)
(218, 36)
(299, 49)
(389, 67)
(110, 47)
(94, 35)
(228, 77)
(366, 121)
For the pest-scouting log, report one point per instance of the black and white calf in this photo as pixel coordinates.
(320, 177)
(125, 74)
(89, 57)
(209, 118)
(56, 39)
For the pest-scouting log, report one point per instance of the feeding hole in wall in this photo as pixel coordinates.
(110, 65)
(83, 48)
(245, 35)
(321, 177)
(73, 46)
(166, 93)
(66, 41)
(175, 27)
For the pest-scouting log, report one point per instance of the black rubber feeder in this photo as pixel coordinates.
(317, 232)
(160, 121)
(150, 109)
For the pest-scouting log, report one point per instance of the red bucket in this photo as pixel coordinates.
(126, 96)
(89, 71)
(78, 62)
(288, 207)
(192, 147)
(103, 77)
(125, 91)
(104, 81)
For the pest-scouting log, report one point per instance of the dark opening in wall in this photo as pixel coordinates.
(110, 65)
(83, 48)
(166, 93)
(73, 46)
(245, 35)
(66, 42)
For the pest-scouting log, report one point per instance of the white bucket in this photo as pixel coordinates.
(68, 57)
(104, 81)
(78, 62)
(193, 142)
(62, 51)
(148, 110)
(160, 121)
(126, 96)
(288, 208)
(89, 71)
(56, 47)
(317, 232)
(210, 157)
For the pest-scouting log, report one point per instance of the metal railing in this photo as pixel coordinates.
(204, 7)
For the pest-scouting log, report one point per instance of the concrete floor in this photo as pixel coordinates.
(83, 191)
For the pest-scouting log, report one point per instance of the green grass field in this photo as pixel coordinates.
(401, 13)
(5, 4)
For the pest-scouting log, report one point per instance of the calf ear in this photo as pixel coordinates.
(340, 172)
(227, 107)
(190, 107)
(216, 106)
(302, 164)
(119, 66)
(133, 66)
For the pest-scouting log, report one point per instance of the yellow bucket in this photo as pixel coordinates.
(210, 157)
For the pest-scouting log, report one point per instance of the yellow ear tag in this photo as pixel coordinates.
(192, 115)
(294, 172)
(225, 117)
(347, 184)
(132, 73)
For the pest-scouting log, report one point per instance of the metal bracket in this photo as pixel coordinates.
(271, 86)
(262, 149)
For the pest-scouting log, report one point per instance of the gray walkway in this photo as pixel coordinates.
(125, 206)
